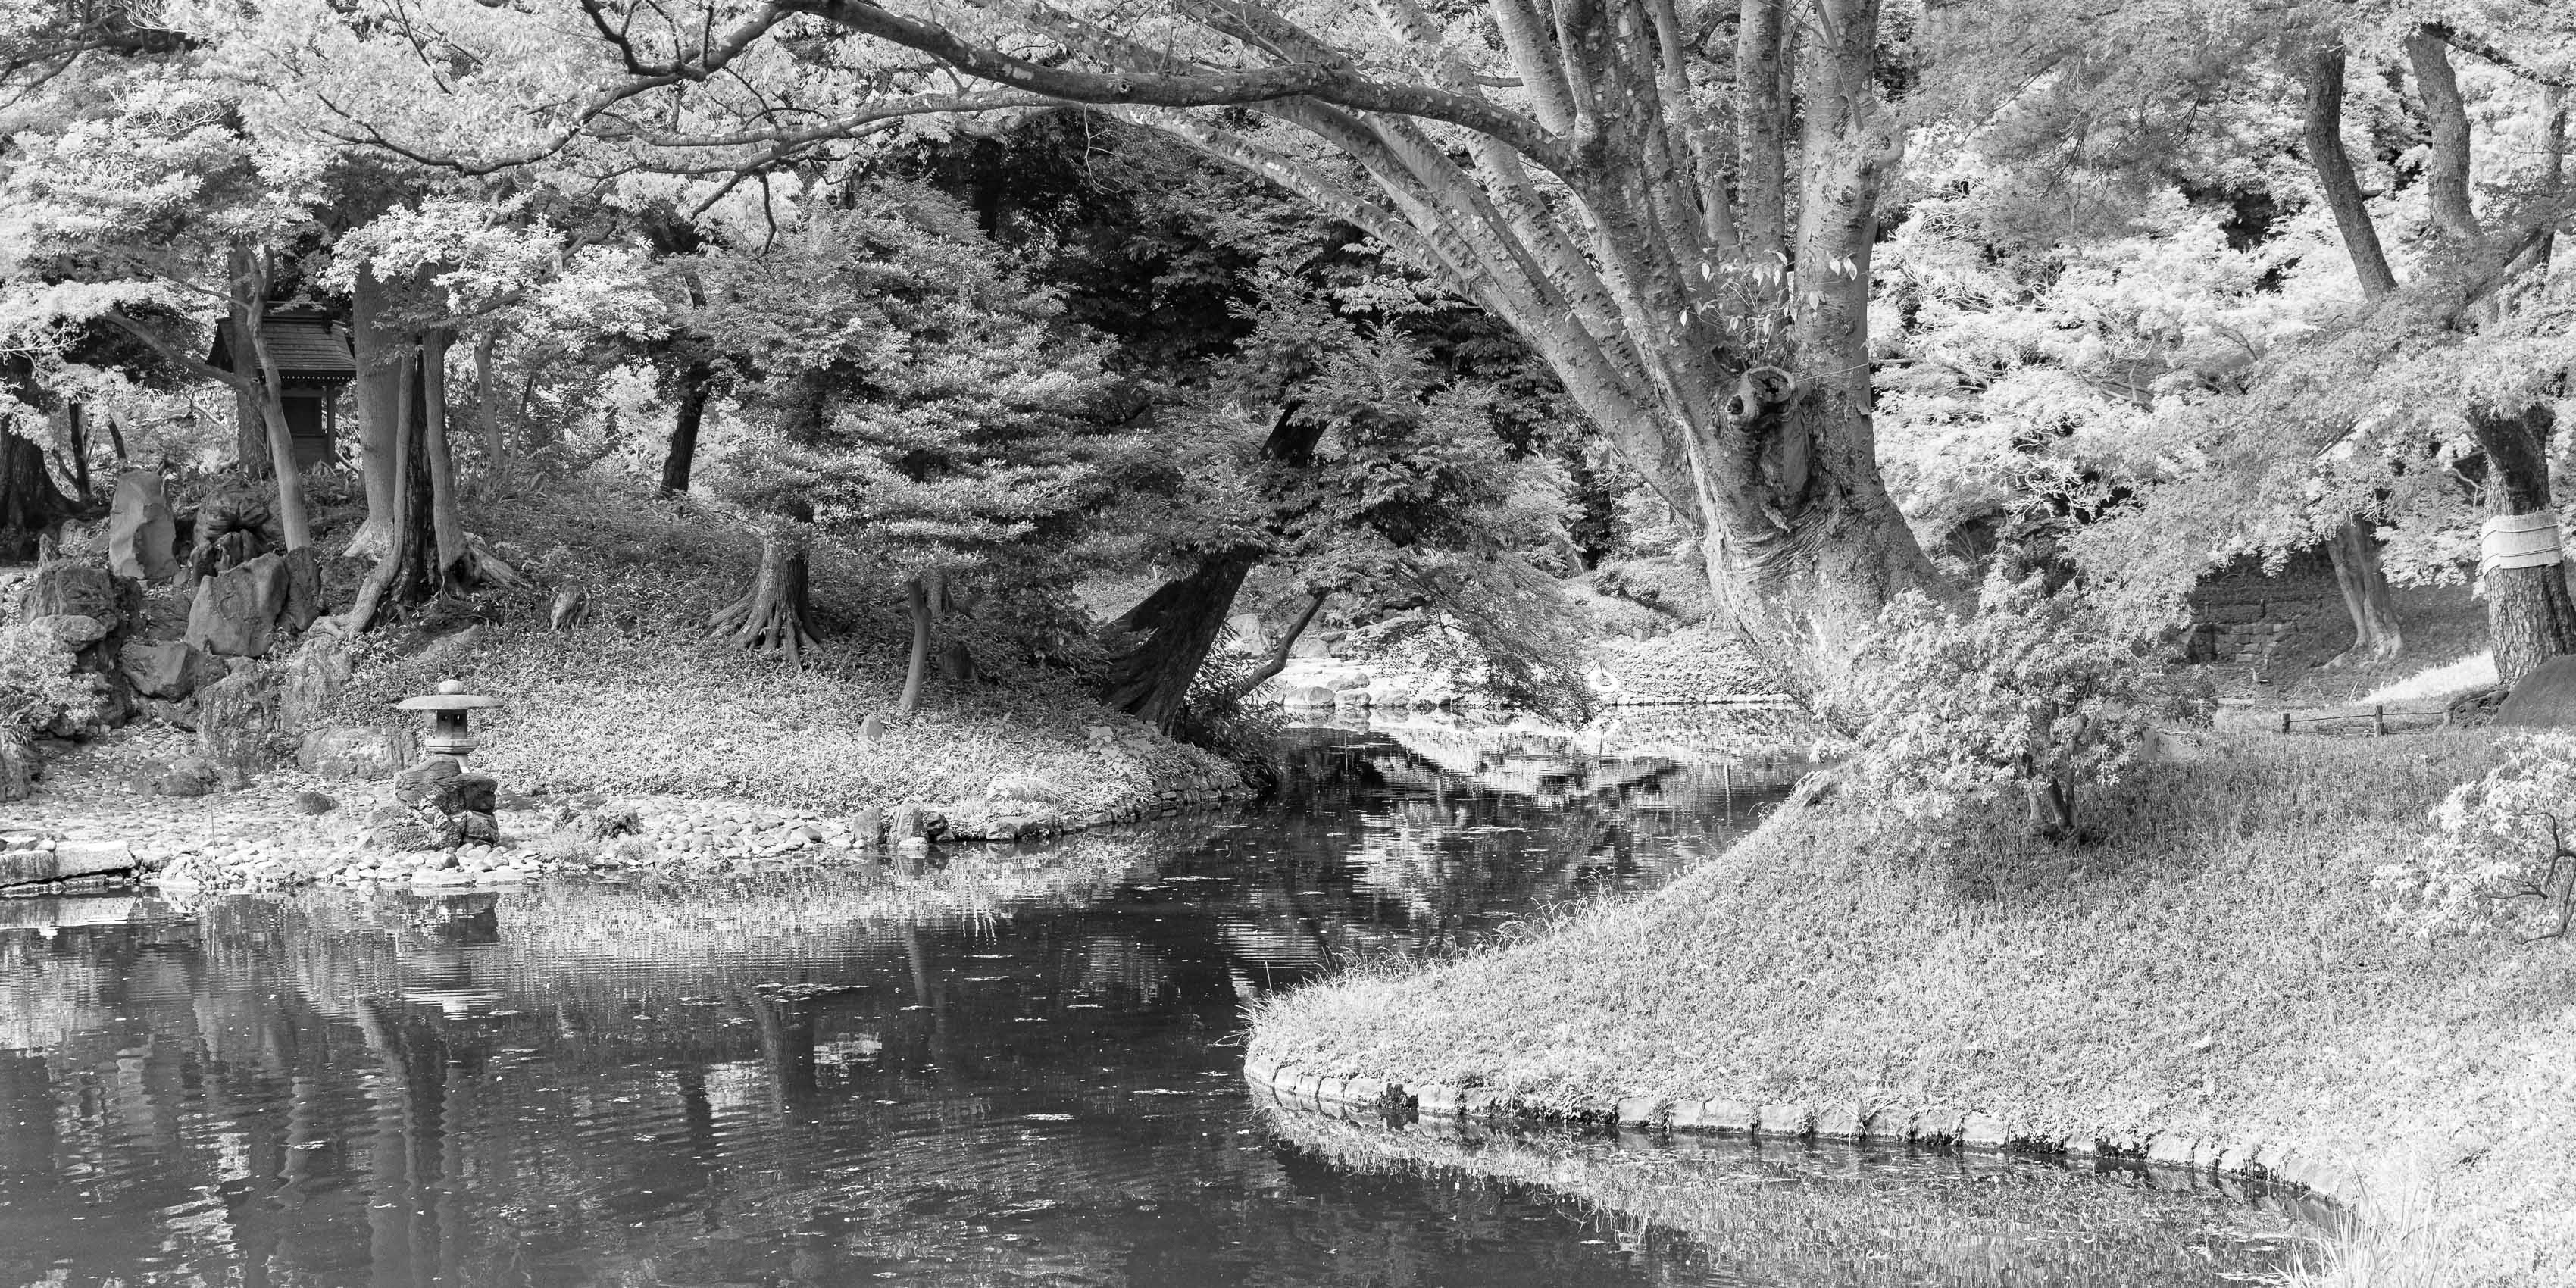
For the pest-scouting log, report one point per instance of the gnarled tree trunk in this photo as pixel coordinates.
(776, 615)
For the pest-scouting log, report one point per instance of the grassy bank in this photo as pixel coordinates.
(638, 700)
(2216, 966)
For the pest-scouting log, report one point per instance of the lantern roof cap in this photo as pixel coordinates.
(448, 702)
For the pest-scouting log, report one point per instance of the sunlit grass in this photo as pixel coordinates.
(2475, 671)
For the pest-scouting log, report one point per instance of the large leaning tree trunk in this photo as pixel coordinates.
(2376, 634)
(1176, 627)
(2530, 617)
(1180, 623)
(1696, 279)
(776, 615)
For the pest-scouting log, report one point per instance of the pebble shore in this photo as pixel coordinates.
(265, 836)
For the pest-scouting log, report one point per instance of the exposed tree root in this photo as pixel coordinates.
(776, 616)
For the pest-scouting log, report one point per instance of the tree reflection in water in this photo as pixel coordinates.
(981, 1068)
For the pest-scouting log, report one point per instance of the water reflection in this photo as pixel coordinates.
(985, 1067)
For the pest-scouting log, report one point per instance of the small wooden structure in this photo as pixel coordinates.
(311, 352)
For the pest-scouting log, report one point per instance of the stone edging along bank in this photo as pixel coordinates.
(2266, 1161)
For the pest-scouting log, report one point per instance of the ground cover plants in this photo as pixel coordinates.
(640, 699)
(2216, 963)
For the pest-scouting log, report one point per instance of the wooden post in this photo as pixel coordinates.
(2379, 722)
(2285, 722)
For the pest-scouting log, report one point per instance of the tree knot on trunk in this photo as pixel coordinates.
(1775, 444)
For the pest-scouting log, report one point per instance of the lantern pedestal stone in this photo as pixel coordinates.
(440, 806)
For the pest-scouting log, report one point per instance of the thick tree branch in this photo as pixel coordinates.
(2322, 135)
(1332, 83)
(2446, 165)
(2480, 46)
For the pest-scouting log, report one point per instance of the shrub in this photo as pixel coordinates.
(2033, 691)
(38, 687)
(1220, 715)
(2500, 857)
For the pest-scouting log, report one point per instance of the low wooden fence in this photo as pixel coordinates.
(2377, 721)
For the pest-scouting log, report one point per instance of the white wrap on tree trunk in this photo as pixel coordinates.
(2519, 541)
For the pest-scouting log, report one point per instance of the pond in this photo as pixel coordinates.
(980, 1068)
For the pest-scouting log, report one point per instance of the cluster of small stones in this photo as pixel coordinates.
(1315, 685)
(2271, 1162)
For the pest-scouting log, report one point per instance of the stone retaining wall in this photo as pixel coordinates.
(2268, 1161)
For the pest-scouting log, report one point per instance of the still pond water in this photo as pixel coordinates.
(980, 1068)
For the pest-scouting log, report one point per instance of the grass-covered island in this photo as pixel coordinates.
(2213, 968)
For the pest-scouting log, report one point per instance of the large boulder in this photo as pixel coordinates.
(312, 681)
(2546, 698)
(142, 533)
(169, 669)
(19, 767)
(92, 609)
(236, 612)
(68, 588)
(238, 724)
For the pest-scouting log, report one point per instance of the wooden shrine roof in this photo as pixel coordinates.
(308, 348)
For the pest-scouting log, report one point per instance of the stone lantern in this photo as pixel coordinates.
(449, 734)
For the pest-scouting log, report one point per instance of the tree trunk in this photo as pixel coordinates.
(683, 454)
(76, 439)
(2321, 133)
(776, 616)
(377, 395)
(917, 595)
(455, 562)
(402, 572)
(1181, 621)
(251, 278)
(415, 540)
(2052, 810)
(496, 465)
(30, 504)
(2376, 634)
(1796, 519)
(2354, 548)
(2529, 613)
(2530, 617)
